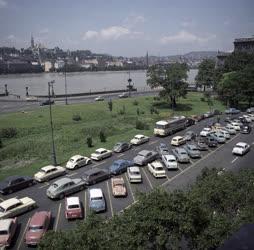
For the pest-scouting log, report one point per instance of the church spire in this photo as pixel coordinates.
(32, 41)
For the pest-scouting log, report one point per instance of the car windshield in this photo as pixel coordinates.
(194, 149)
(239, 146)
(73, 206)
(71, 160)
(96, 198)
(159, 168)
(135, 172)
(1, 210)
(3, 232)
(171, 160)
(35, 228)
(183, 153)
(118, 144)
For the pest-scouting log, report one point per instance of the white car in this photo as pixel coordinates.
(156, 169)
(170, 161)
(49, 172)
(247, 118)
(78, 161)
(205, 132)
(241, 148)
(14, 206)
(236, 126)
(134, 174)
(139, 139)
(99, 98)
(123, 95)
(251, 116)
(225, 133)
(231, 130)
(100, 154)
(177, 141)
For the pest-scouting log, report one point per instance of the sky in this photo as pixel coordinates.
(127, 28)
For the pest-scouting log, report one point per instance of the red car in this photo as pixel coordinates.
(7, 231)
(73, 208)
(38, 226)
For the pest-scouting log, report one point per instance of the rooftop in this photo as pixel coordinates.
(72, 201)
(38, 218)
(243, 40)
(95, 192)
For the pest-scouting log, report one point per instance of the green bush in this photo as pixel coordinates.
(202, 99)
(122, 111)
(135, 103)
(156, 98)
(89, 141)
(156, 111)
(141, 125)
(138, 112)
(102, 136)
(76, 117)
(8, 132)
(1, 143)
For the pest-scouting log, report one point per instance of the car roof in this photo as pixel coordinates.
(72, 200)
(12, 201)
(46, 168)
(241, 143)
(93, 170)
(134, 168)
(38, 218)
(62, 181)
(139, 136)
(5, 224)
(181, 149)
(119, 161)
(100, 149)
(170, 157)
(75, 157)
(144, 152)
(192, 146)
(95, 192)
(118, 180)
(14, 177)
(162, 123)
(177, 137)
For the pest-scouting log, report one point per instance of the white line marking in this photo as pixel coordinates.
(85, 212)
(149, 182)
(69, 175)
(58, 217)
(234, 160)
(110, 202)
(24, 231)
(98, 164)
(45, 185)
(191, 161)
(127, 180)
(120, 155)
(180, 168)
(150, 143)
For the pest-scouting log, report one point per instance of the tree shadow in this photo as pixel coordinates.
(179, 106)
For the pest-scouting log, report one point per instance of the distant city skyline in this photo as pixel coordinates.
(127, 28)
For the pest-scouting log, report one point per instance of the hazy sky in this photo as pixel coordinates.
(128, 28)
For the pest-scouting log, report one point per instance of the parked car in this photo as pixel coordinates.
(144, 157)
(14, 206)
(219, 137)
(241, 148)
(139, 139)
(245, 129)
(247, 118)
(120, 166)
(121, 147)
(181, 155)
(38, 226)
(134, 174)
(208, 114)
(190, 121)
(205, 132)
(64, 186)
(192, 150)
(97, 202)
(170, 161)
(156, 169)
(124, 95)
(250, 110)
(236, 125)
(177, 141)
(211, 142)
(49, 172)
(201, 144)
(99, 98)
(251, 116)
(189, 135)
(162, 149)
(243, 120)
(225, 133)
(15, 183)
(100, 154)
(231, 130)
(7, 231)
(47, 102)
(78, 161)
(95, 175)
(118, 187)
(227, 119)
(232, 111)
(73, 208)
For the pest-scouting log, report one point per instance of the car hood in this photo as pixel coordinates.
(97, 204)
(119, 189)
(95, 154)
(139, 158)
(39, 175)
(31, 236)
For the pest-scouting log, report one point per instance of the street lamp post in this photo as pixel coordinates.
(65, 82)
(50, 85)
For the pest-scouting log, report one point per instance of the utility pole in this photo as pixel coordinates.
(66, 102)
(50, 85)
(129, 82)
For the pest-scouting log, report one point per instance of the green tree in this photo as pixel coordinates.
(171, 78)
(110, 105)
(206, 73)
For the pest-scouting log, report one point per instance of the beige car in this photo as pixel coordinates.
(49, 172)
(118, 187)
(177, 141)
(14, 206)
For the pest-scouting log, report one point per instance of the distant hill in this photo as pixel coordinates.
(196, 55)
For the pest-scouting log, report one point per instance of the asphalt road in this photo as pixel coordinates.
(15, 105)
(220, 157)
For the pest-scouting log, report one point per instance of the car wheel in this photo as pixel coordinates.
(61, 196)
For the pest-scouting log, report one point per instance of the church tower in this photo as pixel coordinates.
(32, 42)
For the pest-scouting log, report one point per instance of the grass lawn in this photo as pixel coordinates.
(31, 148)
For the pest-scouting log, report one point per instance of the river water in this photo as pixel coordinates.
(76, 82)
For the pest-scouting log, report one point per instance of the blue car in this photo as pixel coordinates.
(120, 166)
(97, 201)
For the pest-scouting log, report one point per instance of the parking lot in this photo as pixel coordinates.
(219, 157)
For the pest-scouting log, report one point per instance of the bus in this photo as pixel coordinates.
(164, 128)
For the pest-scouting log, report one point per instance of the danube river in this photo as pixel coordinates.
(76, 82)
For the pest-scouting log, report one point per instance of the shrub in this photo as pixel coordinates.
(138, 112)
(102, 136)
(135, 103)
(122, 111)
(156, 98)
(76, 117)
(89, 141)
(142, 112)
(8, 132)
(110, 105)
(202, 99)
(141, 125)
(156, 111)
(1, 144)
(152, 110)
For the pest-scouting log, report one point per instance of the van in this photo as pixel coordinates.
(177, 141)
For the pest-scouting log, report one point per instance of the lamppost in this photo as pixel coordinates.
(129, 86)
(50, 85)
(65, 82)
